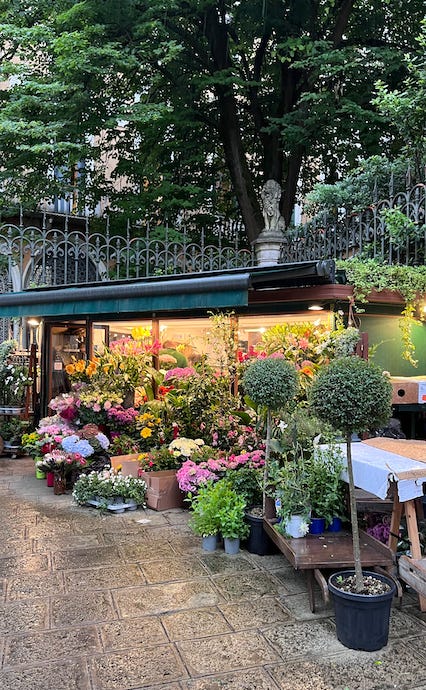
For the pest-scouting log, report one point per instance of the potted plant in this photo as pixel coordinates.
(204, 514)
(289, 480)
(354, 395)
(158, 469)
(326, 488)
(231, 515)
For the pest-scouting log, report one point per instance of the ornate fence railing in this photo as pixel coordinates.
(365, 233)
(73, 253)
(48, 256)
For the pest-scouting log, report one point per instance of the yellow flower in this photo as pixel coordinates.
(70, 369)
(146, 433)
(139, 333)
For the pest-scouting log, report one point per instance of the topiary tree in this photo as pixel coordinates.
(270, 383)
(352, 395)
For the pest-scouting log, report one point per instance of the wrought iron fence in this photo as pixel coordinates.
(73, 253)
(364, 234)
(48, 256)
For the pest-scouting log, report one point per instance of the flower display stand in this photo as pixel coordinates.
(163, 491)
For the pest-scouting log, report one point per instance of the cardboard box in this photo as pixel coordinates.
(129, 464)
(408, 390)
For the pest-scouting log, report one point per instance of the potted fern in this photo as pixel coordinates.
(354, 395)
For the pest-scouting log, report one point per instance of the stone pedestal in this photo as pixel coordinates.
(268, 248)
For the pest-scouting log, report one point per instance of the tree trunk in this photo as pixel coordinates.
(359, 580)
(267, 454)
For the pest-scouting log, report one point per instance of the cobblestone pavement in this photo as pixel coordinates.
(120, 602)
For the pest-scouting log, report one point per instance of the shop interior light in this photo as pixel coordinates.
(315, 307)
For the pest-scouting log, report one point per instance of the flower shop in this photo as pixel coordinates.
(128, 433)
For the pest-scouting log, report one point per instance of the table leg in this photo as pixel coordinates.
(413, 536)
(311, 590)
(395, 523)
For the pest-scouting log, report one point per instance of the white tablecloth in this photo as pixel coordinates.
(374, 468)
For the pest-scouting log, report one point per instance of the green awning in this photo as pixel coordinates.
(207, 292)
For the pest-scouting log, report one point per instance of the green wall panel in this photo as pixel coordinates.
(384, 332)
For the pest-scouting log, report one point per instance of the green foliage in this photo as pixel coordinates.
(289, 483)
(352, 395)
(410, 281)
(270, 382)
(194, 104)
(327, 489)
(248, 483)
(218, 508)
(400, 228)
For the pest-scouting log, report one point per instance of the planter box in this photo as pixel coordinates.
(163, 490)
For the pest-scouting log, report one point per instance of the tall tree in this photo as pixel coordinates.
(191, 104)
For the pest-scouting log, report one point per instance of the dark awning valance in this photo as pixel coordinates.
(207, 292)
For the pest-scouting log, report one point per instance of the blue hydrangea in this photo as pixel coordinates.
(103, 440)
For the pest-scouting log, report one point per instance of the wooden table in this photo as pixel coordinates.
(329, 551)
(380, 462)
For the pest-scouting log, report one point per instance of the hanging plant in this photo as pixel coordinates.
(366, 275)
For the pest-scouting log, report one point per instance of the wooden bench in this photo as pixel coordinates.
(331, 551)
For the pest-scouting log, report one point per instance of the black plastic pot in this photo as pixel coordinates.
(258, 541)
(362, 621)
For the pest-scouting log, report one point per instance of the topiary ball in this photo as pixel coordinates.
(271, 382)
(352, 394)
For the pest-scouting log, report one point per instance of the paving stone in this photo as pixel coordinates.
(403, 624)
(396, 667)
(127, 671)
(187, 625)
(26, 585)
(299, 608)
(74, 609)
(23, 615)
(173, 569)
(219, 562)
(152, 599)
(66, 541)
(62, 676)
(86, 558)
(13, 565)
(133, 538)
(293, 581)
(226, 653)
(245, 585)
(296, 639)
(255, 613)
(137, 632)
(138, 553)
(52, 644)
(255, 679)
(109, 577)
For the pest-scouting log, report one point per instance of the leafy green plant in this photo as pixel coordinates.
(247, 482)
(218, 508)
(290, 484)
(204, 510)
(353, 395)
(366, 275)
(327, 489)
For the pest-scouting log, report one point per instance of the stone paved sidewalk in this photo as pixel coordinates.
(120, 602)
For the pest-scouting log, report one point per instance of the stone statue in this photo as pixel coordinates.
(271, 196)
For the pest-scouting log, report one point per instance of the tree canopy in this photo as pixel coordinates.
(193, 104)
